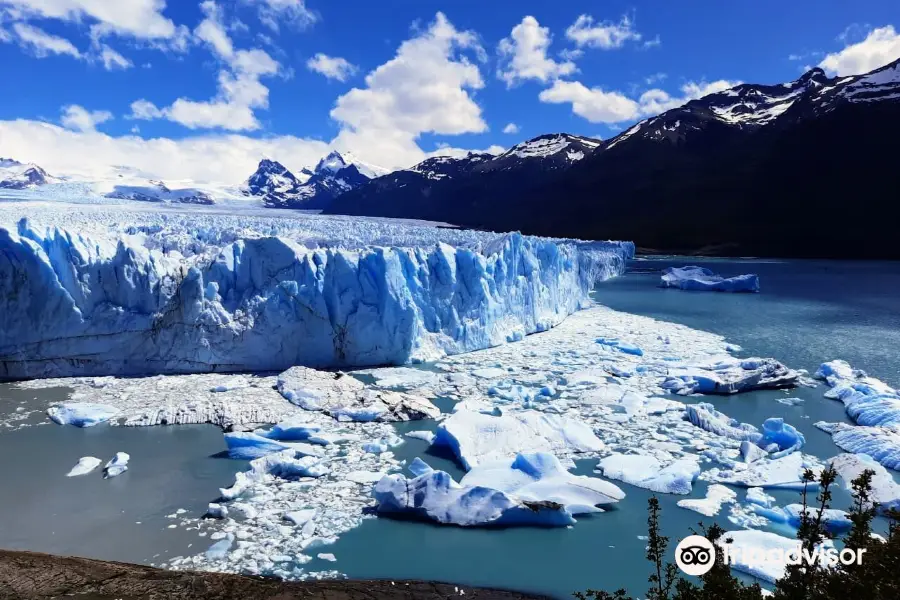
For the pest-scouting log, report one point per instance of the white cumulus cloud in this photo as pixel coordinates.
(228, 159)
(523, 55)
(880, 47)
(240, 91)
(425, 88)
(79, 118)
(511, 128)
(332, 67)
(140, 19)
(601, 106)
(605, 34)
(594, 104)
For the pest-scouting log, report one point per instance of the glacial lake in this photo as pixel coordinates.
(808, 312)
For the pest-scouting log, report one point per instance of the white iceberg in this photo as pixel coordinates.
(784, 472)
(530, 490)
(116, 466)
(716, 496)
(750, 552)
(81, 414)
(246, 445)
(704, 280)
(647, 472)
(85, 465)
(477, 438)
(729, 375)
(885, 490)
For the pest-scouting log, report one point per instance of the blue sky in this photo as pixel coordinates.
(190, 89)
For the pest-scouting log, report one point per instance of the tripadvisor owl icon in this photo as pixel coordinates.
(695, 555)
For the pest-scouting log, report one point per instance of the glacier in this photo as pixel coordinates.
(704, 280)
(99, 301)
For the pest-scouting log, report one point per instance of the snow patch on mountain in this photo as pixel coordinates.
(313, 189)
(19, 176)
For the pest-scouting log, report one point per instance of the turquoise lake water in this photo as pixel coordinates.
(807, 313)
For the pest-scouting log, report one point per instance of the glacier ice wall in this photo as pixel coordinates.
(114, 304)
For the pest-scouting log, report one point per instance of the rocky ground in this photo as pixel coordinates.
(43, 576)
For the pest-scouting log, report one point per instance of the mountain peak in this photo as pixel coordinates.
(816, 75)
(333, 162)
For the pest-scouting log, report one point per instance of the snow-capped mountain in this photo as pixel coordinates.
(745, 170)
(19, 176)
(157, 191)
(334, 175)
(750, 107)
(435, 187)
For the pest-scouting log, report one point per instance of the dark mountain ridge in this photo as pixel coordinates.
(801, 169)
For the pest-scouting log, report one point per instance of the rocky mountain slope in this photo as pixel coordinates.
(773, 170)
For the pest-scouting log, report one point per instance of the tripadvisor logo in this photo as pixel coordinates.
(696, 555)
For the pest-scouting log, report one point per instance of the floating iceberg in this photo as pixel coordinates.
(868, 401)
(116, 466)
(704, 280)
(347, 399)
(116, 304)
(785, 472)
(85, 465)
(532, 489)
(749, 550)
(245, 445)
(81, 414)
(885, 491)
(647, 472)
(777, 438)
(872, 404)
(476, 438)
(716, 496)
(730, 376)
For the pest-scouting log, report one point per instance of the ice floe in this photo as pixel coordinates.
(532, 489)
(647, 472)
(117, 465)
(85, 465)
(716, 496)
(81, 414)
(730, 376)
(704, 280)
(874, 407)
(749, 550)
(477, 438)
(885, 490)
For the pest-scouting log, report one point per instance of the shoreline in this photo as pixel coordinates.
(35, 575)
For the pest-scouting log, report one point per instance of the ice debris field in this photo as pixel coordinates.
(515, 411)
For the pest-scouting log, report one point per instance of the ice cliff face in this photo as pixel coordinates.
(100, 305)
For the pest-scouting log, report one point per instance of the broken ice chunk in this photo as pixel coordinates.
(85, 465)
(116, 466)
(703, 280)
(81, 414)
(647, 472)
(716, 496)
(476, 438)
